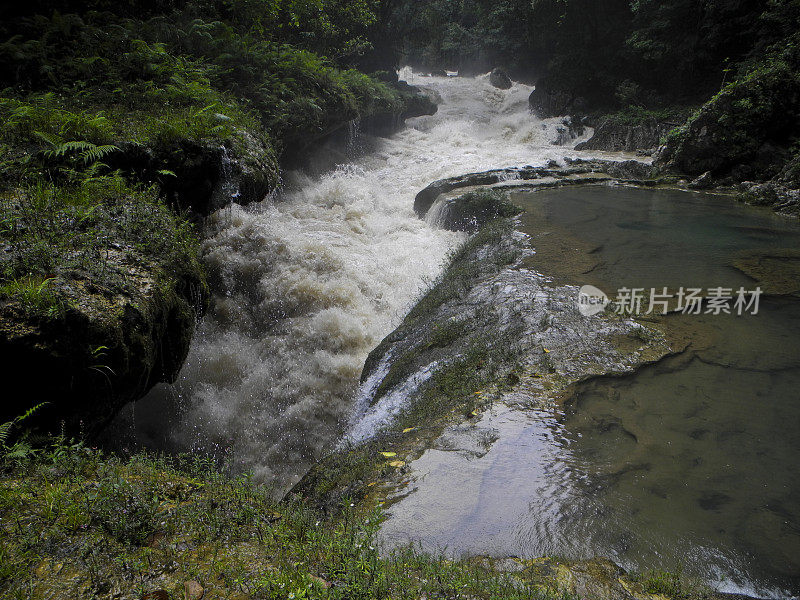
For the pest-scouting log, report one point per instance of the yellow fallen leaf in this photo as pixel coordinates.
(546, 350)
(397, 463)
(474, 413)
(407, 429)
(478, 393)
(388, 454)
(371, 483)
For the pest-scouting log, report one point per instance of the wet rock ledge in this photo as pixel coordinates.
(490, 329)
(575, 172)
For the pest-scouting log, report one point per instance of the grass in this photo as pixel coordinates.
(76, 522)
(34, 294)
(58, 234)
(672, 585)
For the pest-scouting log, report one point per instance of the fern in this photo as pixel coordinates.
(67, 147)
(20, 449)
(86, 152)
(96, 153)
(5, 431)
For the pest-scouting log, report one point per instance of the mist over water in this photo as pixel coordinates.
(307, 283)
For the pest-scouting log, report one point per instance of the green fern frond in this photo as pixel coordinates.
(5, 430)
(74, 146)
(52, 139)
(30, 412)
(95, 153)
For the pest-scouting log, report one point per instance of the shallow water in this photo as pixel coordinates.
(689, 464)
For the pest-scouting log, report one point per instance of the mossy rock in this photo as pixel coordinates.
(745, 130)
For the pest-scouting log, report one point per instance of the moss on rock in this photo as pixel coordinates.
(100, 288)
(744, 130)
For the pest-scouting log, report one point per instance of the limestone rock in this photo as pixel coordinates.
(108, 348)
(703, 182)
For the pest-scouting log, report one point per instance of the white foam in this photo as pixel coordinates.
(306, 286)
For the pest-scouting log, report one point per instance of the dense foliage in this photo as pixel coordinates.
(617, 52)
(146, 90)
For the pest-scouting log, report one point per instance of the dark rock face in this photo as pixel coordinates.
(619, 137)
(247, 171)
(417, 102)
(743, 131)
(109, 348)
(743, 137)
(550, 101)
(500, 79)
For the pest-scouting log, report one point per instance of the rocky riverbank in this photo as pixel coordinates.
(102, 278)
(492, 331)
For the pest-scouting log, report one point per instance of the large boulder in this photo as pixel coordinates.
(110, 315)
(500, 79)
(548, 100)
(203, 176)
(416, 102)
(106, 350)
(615, 135)
(744, 130)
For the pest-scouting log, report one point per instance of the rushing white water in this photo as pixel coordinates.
(307, 284)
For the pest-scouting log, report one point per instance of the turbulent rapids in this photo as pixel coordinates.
(308, 282)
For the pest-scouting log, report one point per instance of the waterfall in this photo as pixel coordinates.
(307, 284)
(353, 133)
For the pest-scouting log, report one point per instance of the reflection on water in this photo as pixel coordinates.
(691, 463)
(697, 456)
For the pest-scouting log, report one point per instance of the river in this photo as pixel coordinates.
(308, 281)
